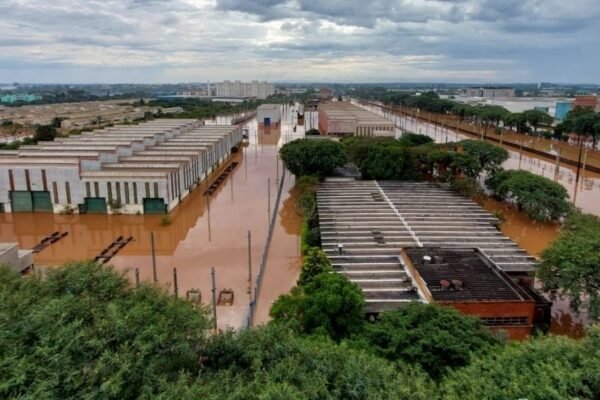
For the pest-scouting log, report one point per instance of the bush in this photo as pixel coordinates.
(553, 368)
(540, 198)
(414, 139)
(436, 338)
(312, 157)
(313, 132)
(271, 362)
(330, 305)
(314, 263)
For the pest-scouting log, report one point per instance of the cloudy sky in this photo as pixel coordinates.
(490, 41)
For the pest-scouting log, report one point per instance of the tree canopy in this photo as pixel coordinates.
(553, 368)
(83, 332)
(570, 264)
(540, 198)
(312, 157)
(330, 304)
(433, 337)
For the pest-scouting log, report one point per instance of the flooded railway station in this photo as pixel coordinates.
(208, 229)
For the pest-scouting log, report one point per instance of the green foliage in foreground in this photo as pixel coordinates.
(436, 338)
(83, 332)
(489, 157)
(312, 157)
(272, 362)
(329, 305)
(571, 264)
(540, 198)
(552, 368)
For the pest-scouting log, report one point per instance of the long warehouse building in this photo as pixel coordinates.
(146, 168)
(340, 118)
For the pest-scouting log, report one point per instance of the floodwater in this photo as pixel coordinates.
(206, 232)
(585, 196)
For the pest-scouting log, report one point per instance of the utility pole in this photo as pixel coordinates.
(250, 264)
(214, 297)
(175, 286)
(557, 166)
(154, 273)
(269, 200)
(137, 277)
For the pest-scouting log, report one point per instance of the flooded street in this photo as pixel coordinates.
(205, 232)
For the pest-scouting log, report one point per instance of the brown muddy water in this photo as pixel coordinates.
(205, 232)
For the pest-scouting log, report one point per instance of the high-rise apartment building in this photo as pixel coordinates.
(258, 89)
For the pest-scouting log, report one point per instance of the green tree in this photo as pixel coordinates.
(84, 332)
(570, 263)
(312, 157)
(540, 198)
(414, 139)
(551, 368)
(389, 162)
(330, 305)
(436, 338)
(489, 157)
(535, 118)
(45, 133)
(315, 262)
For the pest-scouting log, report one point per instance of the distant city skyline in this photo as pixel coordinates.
(171, 41)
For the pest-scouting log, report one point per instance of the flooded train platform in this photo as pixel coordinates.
(204, 232)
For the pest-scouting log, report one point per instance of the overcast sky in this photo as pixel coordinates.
(489, 41)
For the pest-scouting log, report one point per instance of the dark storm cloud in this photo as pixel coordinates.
(272, 39)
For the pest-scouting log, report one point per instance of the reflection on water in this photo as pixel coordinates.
(204, 233)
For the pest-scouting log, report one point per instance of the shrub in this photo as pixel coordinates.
(489, 157)
(434, 337)
(540, 198)
(330, 305)
(315, 262)
(165, 220)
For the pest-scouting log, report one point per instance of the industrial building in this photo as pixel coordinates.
(562, 109)
(258, 89)
(268, 115)
(367, 226)
(489, 92)
(587, 101)
(145, 168)
(466, 279)
(345, 119)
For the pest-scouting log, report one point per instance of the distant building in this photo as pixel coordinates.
(562, 109)
(325, 94)
(258, 89)
(13, 98)
(490, 92)
(345, 119)
(268, 115)
(588, 101)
